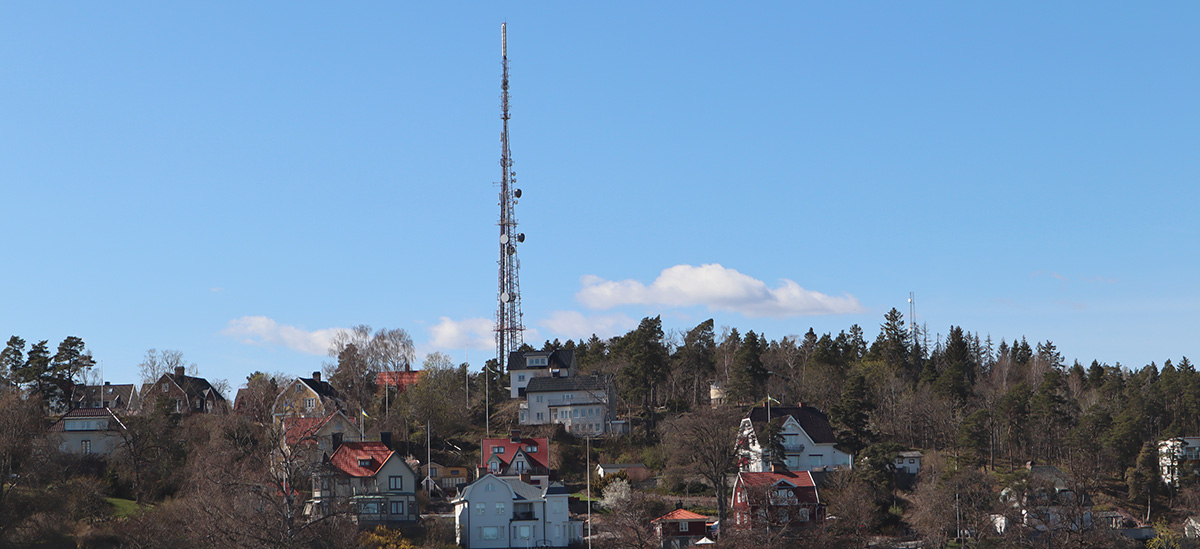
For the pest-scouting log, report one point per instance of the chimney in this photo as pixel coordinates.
(515, 438)
(108, 383)
(386, 438)
(527, 478)
(179, 371)
(317, 376)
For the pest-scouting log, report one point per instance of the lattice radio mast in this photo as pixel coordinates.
(509, 326)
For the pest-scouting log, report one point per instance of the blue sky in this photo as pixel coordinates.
(238, 180)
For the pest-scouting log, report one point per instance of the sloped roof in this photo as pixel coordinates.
(83, 413)
(321, 387)
(302, 429)
(539, 458)
(680, 515)
(572, 383)
(403, 380)
(124, 393)
(347, 457)
(557, 359)
(814, 422)
(803, 480)
(195, 387)
(770, 478)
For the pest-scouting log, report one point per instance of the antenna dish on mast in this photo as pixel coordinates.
(517, 193)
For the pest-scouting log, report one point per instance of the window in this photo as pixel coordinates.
(490, 532)
(536, 361)
(164, 387)
(803, 514)
(912, 461)
(397, 507)
(433, 471)
(179, 405)
(540, 417)
(395, 483)
(480, 508)
(523, 531)
(310, 403)
(532, 448)
(364, 462)
(520, 377)
(85, 446)
(489, 488)
(500, 508)
(497, 449)
(556, 507)
(816, 459)
(368, 508)
(683, 526)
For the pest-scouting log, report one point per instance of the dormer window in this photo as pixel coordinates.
(364, 462)
(532, 448)
(497, 449)
(536, 361)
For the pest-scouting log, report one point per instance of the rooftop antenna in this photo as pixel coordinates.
(509, 327)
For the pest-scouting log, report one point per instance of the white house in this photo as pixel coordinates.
(497, 513)
(88, 431)
(583, 405)
(908, 461)
(1176, 456)
(525, 367)
(808, 442)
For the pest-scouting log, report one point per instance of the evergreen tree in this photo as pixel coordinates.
(12, 359)
(646, 367)
(851, 415)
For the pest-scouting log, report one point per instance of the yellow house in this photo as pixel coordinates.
(307, 397)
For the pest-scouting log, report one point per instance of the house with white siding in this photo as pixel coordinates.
(495, 512)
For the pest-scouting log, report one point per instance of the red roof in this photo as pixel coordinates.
(680, 515)
(806, 489)
(402, 380)
(796, 478)
(540, 456)
(350, 454)
(60, 426)
(303, 429)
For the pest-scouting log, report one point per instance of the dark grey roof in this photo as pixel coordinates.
(561, 359)
(322, 388)
(556, 488)
(523, 490)
(573, 383)
(811, 419)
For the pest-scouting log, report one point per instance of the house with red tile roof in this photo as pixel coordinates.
(517, 457)
(368, 480)
(808, 442)
(88, 431)
(784, 499)
(680, 528)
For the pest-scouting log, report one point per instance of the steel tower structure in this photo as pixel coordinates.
(509, 324)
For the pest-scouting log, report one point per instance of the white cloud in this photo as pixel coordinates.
(719, 289)
(574, 325)
(260, 330)
(450, 334)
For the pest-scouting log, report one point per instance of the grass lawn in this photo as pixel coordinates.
(124, 507)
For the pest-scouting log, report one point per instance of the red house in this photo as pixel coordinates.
(680, 528)
(517, 457)
(776, 500)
